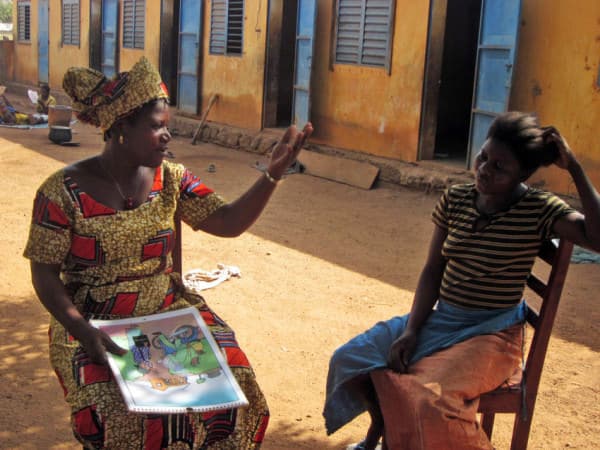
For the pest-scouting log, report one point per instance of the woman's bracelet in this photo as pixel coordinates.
(270, 178)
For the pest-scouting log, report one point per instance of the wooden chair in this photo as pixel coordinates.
(177, 257)
(519, 396)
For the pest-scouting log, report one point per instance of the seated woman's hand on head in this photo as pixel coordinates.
(581, 228)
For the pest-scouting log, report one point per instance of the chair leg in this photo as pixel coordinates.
(488, 424)
(520, 433)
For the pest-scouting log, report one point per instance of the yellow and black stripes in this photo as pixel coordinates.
(487, 266)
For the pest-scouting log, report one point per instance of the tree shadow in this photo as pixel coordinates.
(392, 250)
(289, 435)
(33, 402)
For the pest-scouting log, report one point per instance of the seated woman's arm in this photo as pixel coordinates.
(581, 229)
(53, 295)
(426, 295)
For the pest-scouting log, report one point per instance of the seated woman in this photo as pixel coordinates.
(485, 240)
(100, 245)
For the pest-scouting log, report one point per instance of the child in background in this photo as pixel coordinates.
(45, 99)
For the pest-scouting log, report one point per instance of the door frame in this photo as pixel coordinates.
(484, 116)
(432, 79)
(299, 90)
(96, 35)
(200, 56)
(272, 63)
(46, 75)
(169, 46)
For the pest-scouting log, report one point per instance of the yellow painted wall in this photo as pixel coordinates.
(61, 57)
(364, 108)
(26, 53)
(129, 56)
(556, 76)
(239, 79)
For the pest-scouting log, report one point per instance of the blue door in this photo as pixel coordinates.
(496, 52)
(43, 41)
(190, 25)
(305, 32)
(110, 21)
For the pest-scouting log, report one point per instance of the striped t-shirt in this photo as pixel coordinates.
(488, 268)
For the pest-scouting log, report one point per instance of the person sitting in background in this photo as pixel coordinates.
(10, 116)
(45, 99)
(7, 112)
(464, 334)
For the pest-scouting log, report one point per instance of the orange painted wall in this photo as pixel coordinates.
(61, 57)
(129, 56)
(556, 76)
(239, 79)
(26, 53)
(7, 57)
(365, 108)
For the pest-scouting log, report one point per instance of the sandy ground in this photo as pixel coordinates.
(324, 262)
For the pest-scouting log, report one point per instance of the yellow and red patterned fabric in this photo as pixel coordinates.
(118, 264)
(102, 101)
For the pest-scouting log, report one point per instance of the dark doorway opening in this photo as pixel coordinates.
(279, 80)
(449, 80)
(457, 79)
(169, 46)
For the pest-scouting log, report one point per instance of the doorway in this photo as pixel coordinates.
(279, 76)
(457, 80)
(104, 36)
(450, 77)
(169, 46)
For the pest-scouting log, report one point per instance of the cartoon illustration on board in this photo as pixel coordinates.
(171, 360)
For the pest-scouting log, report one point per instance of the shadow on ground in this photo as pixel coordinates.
(399, 214)
(25, 369)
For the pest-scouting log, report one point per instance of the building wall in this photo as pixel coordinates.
(129, 56)
(364, 108)
(556, 75)
(61, 57)
(7, 56)
(237, 79)
(26, 53)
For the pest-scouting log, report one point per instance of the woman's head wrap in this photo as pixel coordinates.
(101, 101)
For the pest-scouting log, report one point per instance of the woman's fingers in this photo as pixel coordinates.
(287, 136)
(301, 138)
(114, 348)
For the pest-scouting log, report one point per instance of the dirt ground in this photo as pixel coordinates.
(324, 262)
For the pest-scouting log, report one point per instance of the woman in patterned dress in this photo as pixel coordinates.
(100, 246)
(485, 240)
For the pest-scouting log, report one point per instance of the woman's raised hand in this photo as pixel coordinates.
(286, 150)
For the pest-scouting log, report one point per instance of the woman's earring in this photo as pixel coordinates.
(121, 140)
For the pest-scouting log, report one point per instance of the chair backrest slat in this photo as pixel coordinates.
(177, 256)
(548, 251)
(559, 258)
(533, 317)
(536, 285)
